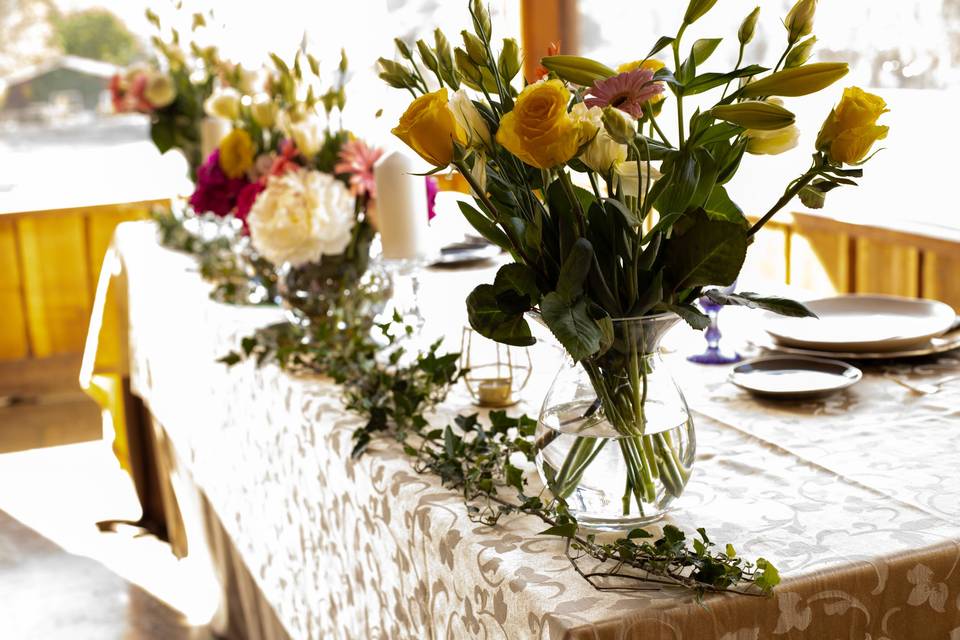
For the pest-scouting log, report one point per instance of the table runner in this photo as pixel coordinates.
(855, 498)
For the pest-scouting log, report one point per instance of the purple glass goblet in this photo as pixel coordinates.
(714, 353)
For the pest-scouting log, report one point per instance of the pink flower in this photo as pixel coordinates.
(215, 192)
(431, 197)
(627, 91)
(357, 160)
(284, 162)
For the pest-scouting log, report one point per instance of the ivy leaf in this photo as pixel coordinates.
(567, 530)
(767, 575)
(514, 477)
(782, 306)
(572, 325)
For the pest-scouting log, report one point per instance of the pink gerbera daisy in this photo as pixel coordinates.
(627, 91)
(357, 160)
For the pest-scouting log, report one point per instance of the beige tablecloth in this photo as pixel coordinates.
(855, 498)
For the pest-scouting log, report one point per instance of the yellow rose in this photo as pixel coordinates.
(652, 65)
(236, 153)
(851, 129)
(430, 128)
(539, 130)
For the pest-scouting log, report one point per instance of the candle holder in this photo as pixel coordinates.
(495, 373)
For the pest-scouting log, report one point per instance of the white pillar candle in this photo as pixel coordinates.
(401, 207)
(212, 131)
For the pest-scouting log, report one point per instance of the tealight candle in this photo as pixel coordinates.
(496, 392)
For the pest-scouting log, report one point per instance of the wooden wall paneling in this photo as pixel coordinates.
(767, 263)
(941, 277)
(14, 342)
(886, 267)
(542, 23)
(820, 260)
(56, 280)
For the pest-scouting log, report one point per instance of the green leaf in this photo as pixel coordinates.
(572, 325)
(489, 320)
(719, 206)
(514, 477)
(767, 576)
(485, 226)
(662, 43)
(691, 315)
(707, 81)
(709, 252)
(638, 533)
(231, 359)
(574, 270)
(682, 178)
(664, 224)
(162, 134)
(716, 133)
(567, 530)
(519, 278)
(782, 306)
(622, 209)
(703, 49)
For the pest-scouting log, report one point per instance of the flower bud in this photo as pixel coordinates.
(696, 9)
(799, 21)
(798, 81)
(800, 53)
(765, 116)
(748, 27)
(429, 60)
(224, 103)
(160, 90)
(582, 71)
(474, 47)
(509, 61)
(481, 19)
(343, 61)
(263, 110)
(617, 126)
(402, 48)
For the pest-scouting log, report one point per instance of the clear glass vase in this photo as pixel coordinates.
(338, 290)
(615, 437)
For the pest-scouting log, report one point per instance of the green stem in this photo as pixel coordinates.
(788, 195)
(676, 70)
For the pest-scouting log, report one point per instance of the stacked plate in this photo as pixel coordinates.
(865, 327)
(854, 327)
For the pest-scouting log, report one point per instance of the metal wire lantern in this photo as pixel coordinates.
(496, 373)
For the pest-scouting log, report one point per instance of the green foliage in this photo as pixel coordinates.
(97, 34)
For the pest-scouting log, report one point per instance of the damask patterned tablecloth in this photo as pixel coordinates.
(855, 498)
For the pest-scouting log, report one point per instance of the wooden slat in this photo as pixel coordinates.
(820, 261)
(941, 277)
(544, 22)
(884, 267)
(13, 328)
(56, 281)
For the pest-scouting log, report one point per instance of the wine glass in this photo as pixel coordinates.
(714, 353)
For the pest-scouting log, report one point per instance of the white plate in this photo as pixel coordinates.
(941, 344)
(862, 323)
(794, 377)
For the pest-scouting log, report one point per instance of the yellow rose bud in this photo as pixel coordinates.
(766, 116)
(799, 21)
(798, 81)
(236, 153)
(851, 129)
(539, 130)
(430, 128)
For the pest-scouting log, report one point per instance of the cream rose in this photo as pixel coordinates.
(633, 177)
(307, 134)
(469, 118)
(603, 153)
(160, 91)
(301, 216)
(223, 103)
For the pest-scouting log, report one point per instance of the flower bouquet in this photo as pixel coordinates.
(299, 187)
(172, 90)
(616, 228)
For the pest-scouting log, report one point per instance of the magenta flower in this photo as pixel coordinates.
(431, 197)
(627, 91)
(215, 192)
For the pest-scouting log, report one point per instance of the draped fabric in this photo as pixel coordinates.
(855, 498)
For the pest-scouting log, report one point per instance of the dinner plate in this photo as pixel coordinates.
(862, 323)
(949, 341)
(794, 377)
(469, 251)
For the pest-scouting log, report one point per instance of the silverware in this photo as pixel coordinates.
(924, 388)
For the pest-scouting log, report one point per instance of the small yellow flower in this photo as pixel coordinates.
(651, 64)
(430, 128)
(539, 130)
(851, 129)
(236, 153)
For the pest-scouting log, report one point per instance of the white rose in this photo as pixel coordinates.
(301, 216)
(468, 117)
(160, 90)
(307, 134)
(223, 103)
(772, 142)
(603, 153)
(264, 111)
(628, 174)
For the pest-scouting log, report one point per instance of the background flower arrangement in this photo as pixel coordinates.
(606, 217)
